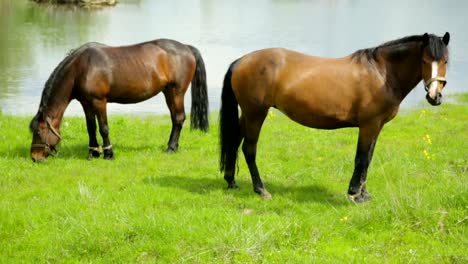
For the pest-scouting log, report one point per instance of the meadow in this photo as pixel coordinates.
(147, 206)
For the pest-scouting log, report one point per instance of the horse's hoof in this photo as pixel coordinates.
(108, 154)
(359, 197)
(264, 193)
(109, 157)
(366, 196)
(93, 154)
(232, 185)
(171, 151)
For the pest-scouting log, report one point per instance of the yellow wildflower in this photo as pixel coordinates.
(427, 154)
(428, 139)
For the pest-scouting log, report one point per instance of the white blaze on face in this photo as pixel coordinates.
(433, 85)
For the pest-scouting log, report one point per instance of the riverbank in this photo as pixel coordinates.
(147, 206)
(85, 3)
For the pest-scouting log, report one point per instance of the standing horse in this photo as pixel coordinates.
(362, 90)
(96, 74)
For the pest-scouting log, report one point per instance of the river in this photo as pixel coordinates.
(35, 38)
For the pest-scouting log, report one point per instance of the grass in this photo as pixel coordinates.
(147, 206)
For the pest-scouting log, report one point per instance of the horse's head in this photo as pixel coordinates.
(45, 137)
(434, 66)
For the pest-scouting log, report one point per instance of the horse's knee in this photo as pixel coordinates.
(179, 118)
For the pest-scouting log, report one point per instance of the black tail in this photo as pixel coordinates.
(229, 128)
(199, 111)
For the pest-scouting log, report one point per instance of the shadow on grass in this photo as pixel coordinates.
(203, 186)
(307, 194)
(15, 152)
(80, 151)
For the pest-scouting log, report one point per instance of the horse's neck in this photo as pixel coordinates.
(55, 108)
(403, 67)
(55, 117)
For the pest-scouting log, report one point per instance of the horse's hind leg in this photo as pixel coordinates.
(93, 147)
(175, 103)
(230, 167)
(367, 138)
(251, 130)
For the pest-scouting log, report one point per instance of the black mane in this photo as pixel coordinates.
(56, 75)
(48, 87)
(436, 47)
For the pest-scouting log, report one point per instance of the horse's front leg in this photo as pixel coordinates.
(357, 191)
(104, 131)
(93, 146)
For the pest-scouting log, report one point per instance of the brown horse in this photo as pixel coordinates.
(362, 90)
(95, 74)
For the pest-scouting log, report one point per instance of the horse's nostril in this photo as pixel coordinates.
(37, 157)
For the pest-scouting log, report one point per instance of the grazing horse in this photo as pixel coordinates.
(96, 74)
(361, 90)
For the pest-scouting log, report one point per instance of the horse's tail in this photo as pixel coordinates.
(199, 111)
(229, 128)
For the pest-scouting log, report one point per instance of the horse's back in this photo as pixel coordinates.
(130, 74)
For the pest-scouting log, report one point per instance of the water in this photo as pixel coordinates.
(34, 38)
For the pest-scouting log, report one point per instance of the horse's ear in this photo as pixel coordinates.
(446, 38)
(425, 39)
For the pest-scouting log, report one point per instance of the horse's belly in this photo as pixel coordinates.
(323, 122)
(131, 95)
(321, 115)
(320, 121)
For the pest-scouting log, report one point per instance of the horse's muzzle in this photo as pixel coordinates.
(434, 101)
(41, 155)
(38, 158)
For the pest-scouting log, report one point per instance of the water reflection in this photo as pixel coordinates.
(34, 39)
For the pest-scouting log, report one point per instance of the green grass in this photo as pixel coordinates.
(147, 206)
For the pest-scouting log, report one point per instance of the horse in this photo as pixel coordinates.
(362, 90)
(96, 74)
